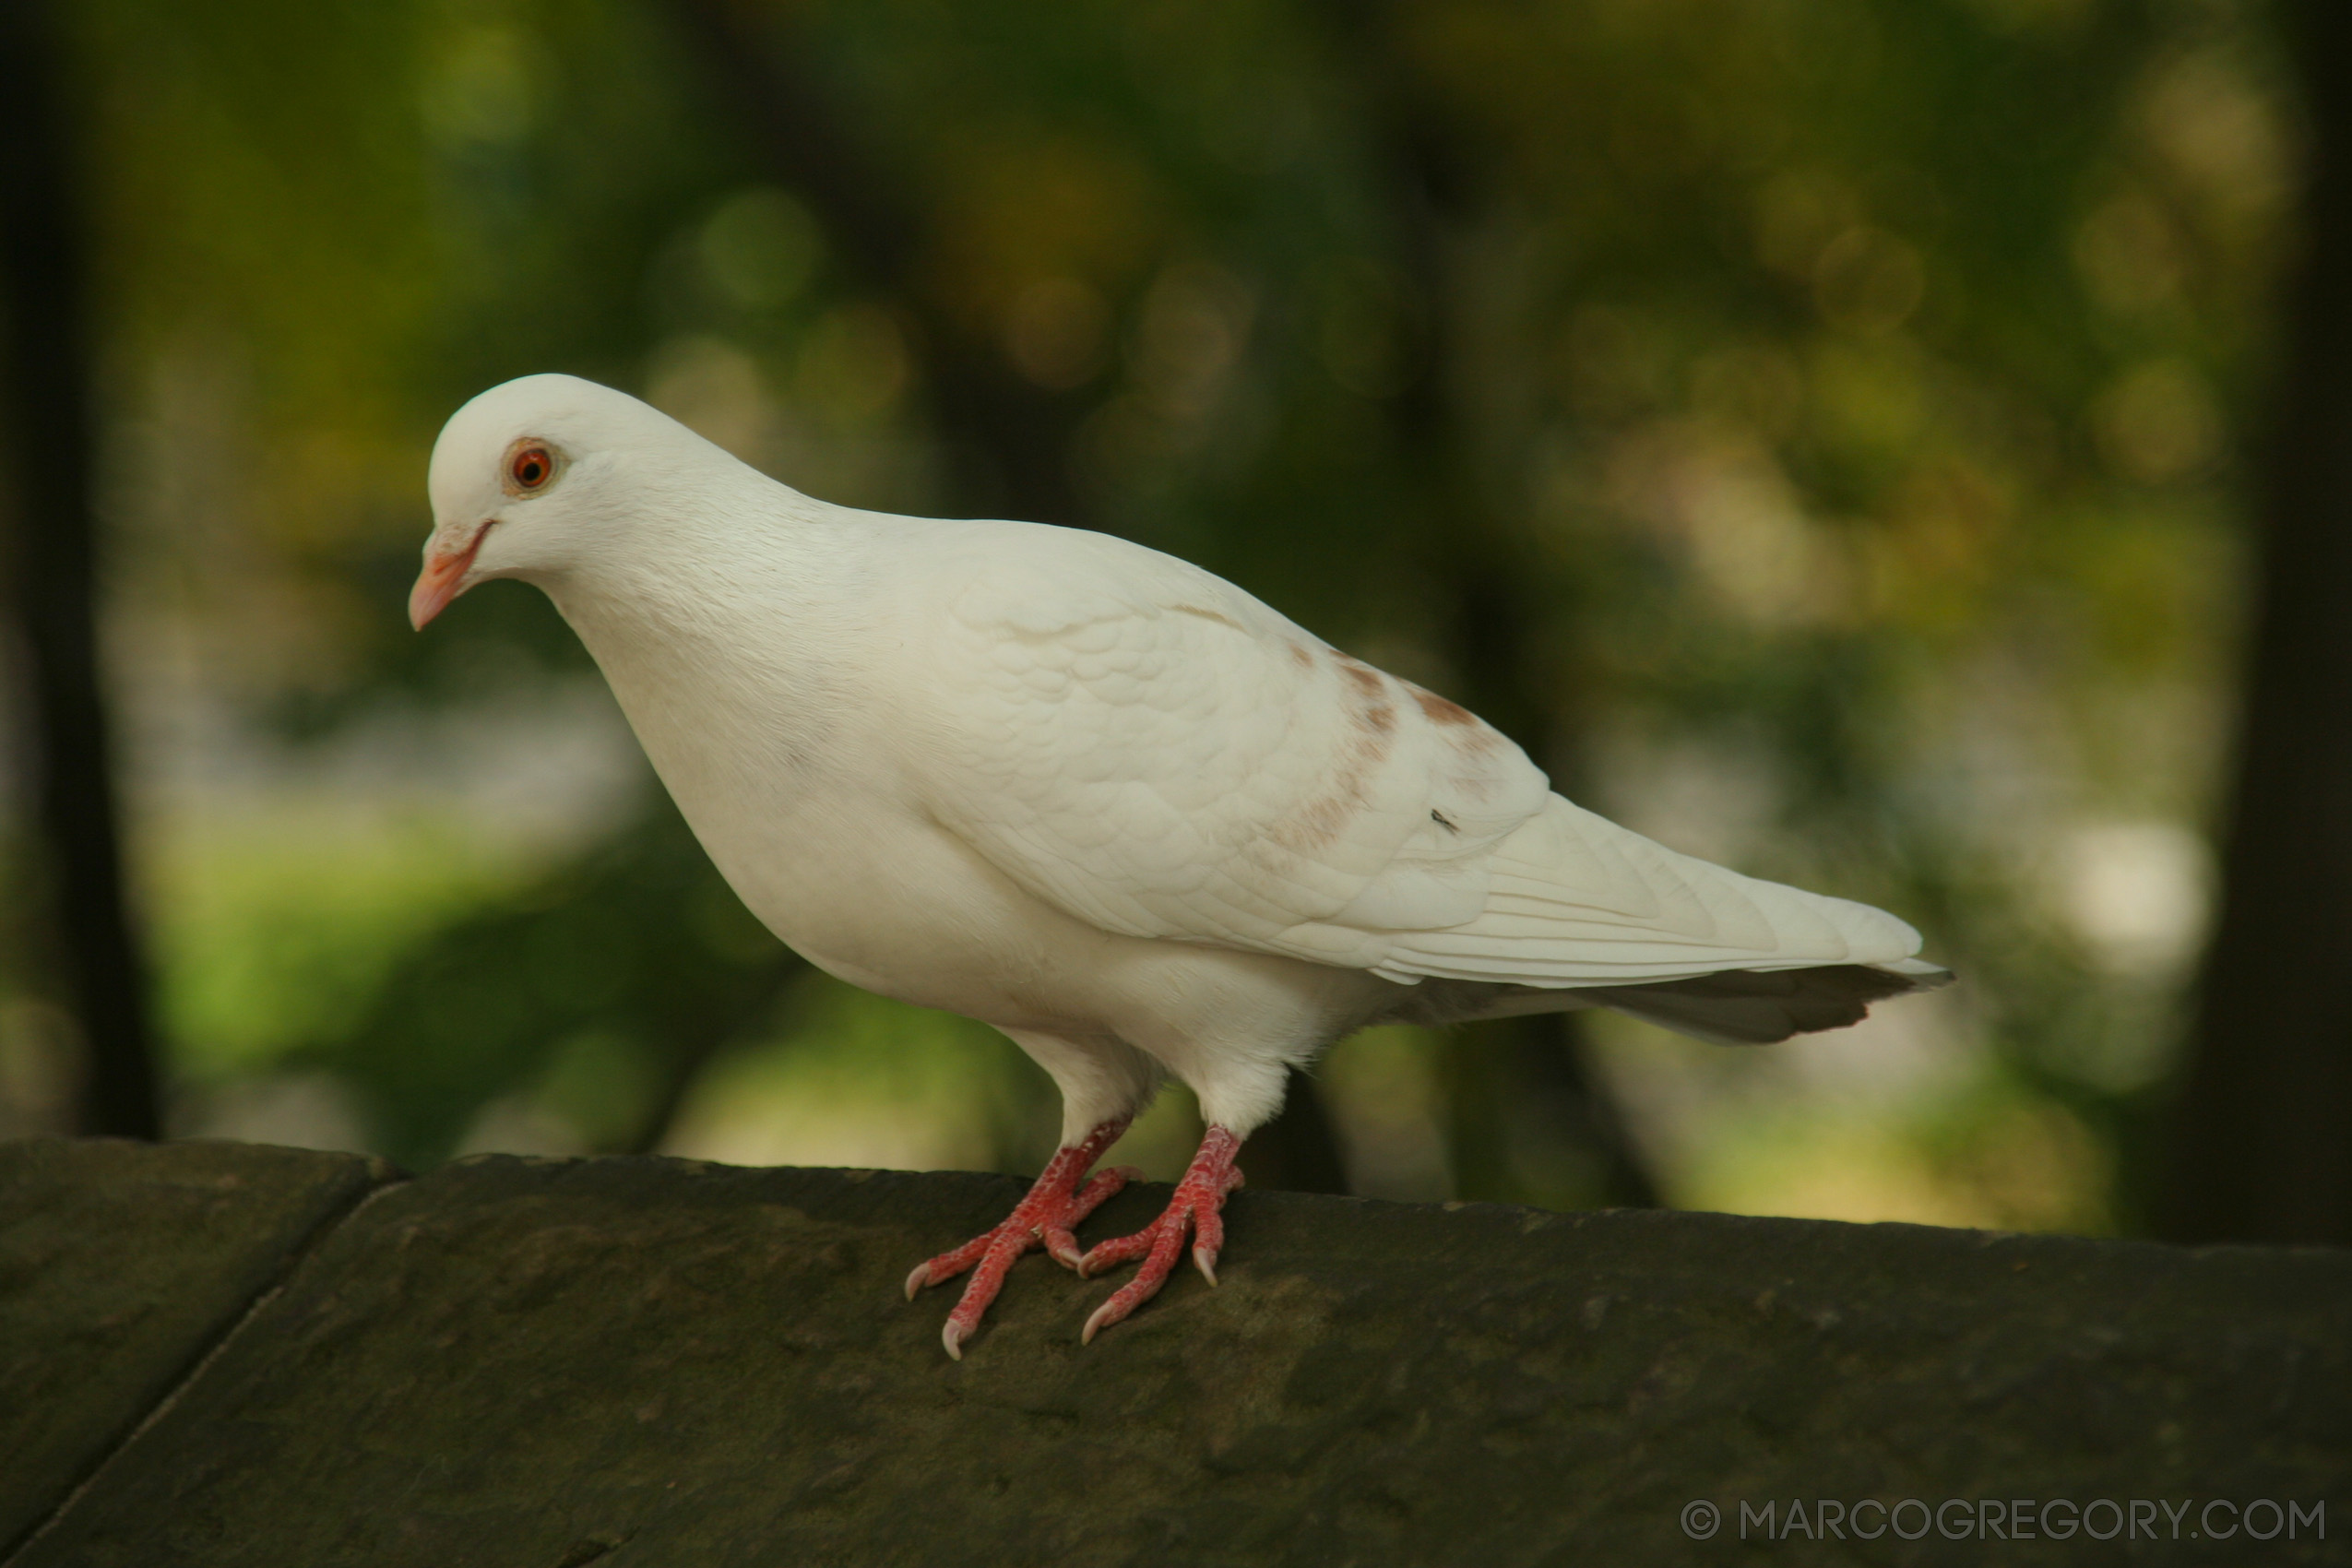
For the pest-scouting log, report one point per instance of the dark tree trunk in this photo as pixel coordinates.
(1539, 1067)
(45, 412)
(695, 1036)
(2261, 1139)
(1299, 1150)
(1501, 1075)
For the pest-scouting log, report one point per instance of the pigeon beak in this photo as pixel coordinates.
(443, 579)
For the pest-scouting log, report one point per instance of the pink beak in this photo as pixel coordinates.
(442, 580)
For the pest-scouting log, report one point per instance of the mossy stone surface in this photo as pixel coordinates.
(120, 1264)
(547, 1364)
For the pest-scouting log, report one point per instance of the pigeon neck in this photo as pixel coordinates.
(718, 635)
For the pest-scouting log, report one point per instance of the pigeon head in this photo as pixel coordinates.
(534, 478)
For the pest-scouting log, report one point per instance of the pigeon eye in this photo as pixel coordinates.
(530, 468)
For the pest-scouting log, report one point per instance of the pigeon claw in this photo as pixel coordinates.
(1196, 1208)
(1063, 1247)
(1103, 1316)
(1045, 1217)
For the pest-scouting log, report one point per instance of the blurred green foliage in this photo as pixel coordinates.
(627, 968)
(1852, 392)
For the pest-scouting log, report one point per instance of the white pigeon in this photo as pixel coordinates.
(1098, 798)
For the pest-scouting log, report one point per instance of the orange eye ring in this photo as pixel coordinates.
(530, 468)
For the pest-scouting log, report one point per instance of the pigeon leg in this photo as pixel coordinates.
(1197, 1206)
(1053, 1205)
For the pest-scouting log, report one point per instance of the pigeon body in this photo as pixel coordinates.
(1093, 795)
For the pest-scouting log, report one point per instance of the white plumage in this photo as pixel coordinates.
(1093, 795)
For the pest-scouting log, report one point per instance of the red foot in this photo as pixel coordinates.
(1197, 1206)
(1054, 1205)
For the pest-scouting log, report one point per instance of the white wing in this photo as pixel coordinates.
(1152, 750)
(1576, 901)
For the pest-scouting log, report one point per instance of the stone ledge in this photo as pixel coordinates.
(621, 1361)
(121, 1264)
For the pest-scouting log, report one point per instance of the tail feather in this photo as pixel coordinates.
(1742, 1007)
(1730, 1007)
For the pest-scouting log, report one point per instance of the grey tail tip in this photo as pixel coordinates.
(1923, 975)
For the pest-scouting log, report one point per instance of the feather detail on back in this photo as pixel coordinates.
(1155, 752)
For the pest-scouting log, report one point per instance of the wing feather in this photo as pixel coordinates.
(1154, 751)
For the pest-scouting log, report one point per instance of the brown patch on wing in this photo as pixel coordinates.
(1303, 655)
(1320, 820)
(1370, 737)
(1441, 711)
(1375, 711)
(1375, 702)
(1464, 730)
(1369, 680)
(1206, 615)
